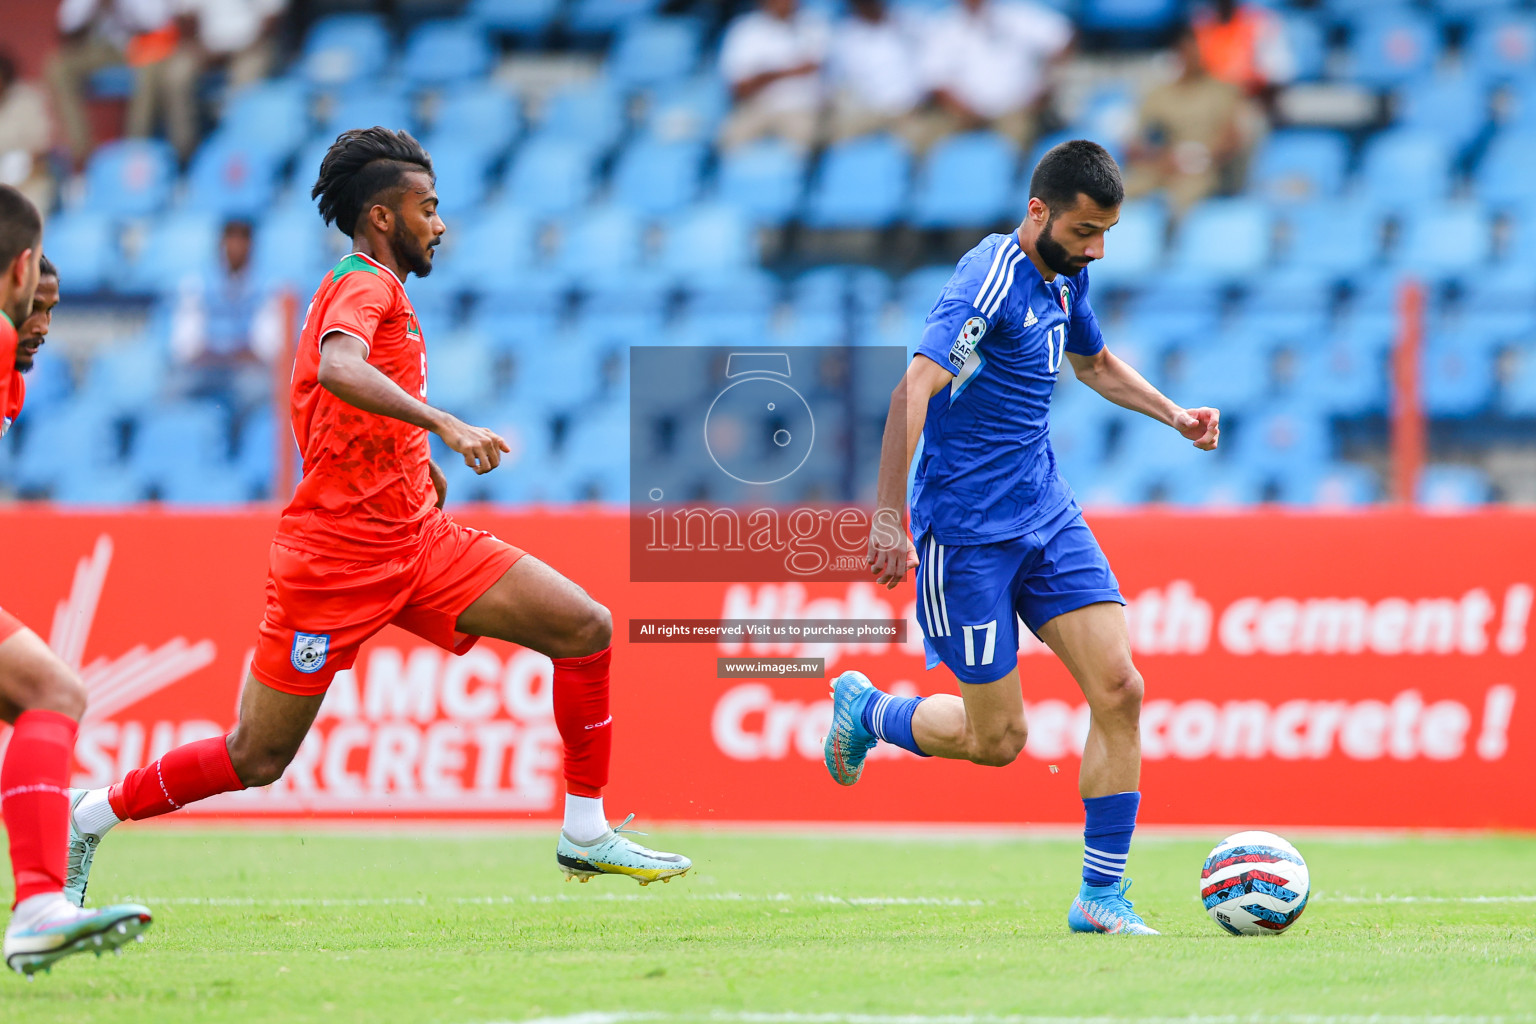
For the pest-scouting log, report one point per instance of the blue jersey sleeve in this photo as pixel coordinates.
(955, 326)
(1083, 335)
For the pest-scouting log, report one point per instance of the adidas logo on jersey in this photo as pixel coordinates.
(1029, 317)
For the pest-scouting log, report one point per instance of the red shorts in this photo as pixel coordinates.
(9, 625)
(321, 610)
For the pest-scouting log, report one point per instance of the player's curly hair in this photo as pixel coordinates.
(1074, 168)
(362, 164)
(21, 227)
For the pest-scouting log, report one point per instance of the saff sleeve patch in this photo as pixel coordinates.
(965, 344)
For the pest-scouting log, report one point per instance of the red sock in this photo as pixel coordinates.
(586, 727)
(187, 774)
(34, 797)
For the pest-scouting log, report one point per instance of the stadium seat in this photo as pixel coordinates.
(1503, 45)
(532, 293)
(559, 378)
(686, 110)
(1133, 248)
(1300, 165)
(1402, 168)
(345, 48)
(519, 17)
(591, 113)
(50, 382)
(862, 184)
(601, 17)
(1224, 238)
(626, 293)
(171, 439)
(1453, 104)
(764, 179)
(386, 106)
(822, 290)
(124, 379)
(1225, 371)
(78, 435)
(83, 245)
(1389, 47)
(256, 450)
(1451, 488)
(1503, 176)
(606, 237)
(457, 370)
(232, 177)
(966, 181)
(550, 176)
(290, 249)
(497, 241)
(1281, 438)
(870, 289)
(130, 178)
(273, 115)
(204, 486)
(1214, 485)
(101, 487)
(748, 289)
(1308, 43)
(176, 247)
(483, 117)
(462, 171)
(1445, 239)
(919, 291)
(1458, 9)
(705, 238)
(439, 53)
(1335, 238)
(1332, 485)
(1129, 15)
(652, 51)
(1345, 375)
(1457, 377)
(658, 177)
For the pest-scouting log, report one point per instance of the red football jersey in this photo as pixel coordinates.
(366, 488)
(13, 389)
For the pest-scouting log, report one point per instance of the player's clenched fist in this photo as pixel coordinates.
(1202, 426)
(480, 447)
(891, 552)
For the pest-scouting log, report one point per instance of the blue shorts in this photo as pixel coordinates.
(970, 597)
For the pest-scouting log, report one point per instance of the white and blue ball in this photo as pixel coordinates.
(1255, 883)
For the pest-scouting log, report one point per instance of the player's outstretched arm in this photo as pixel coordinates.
(891, 552)
(346, 373)
(1119, 382)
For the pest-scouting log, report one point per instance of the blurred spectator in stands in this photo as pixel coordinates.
(1244, 44)
(772, 59)
(101, 34)
(225, 333)
(235, 36)
(988, 63)
(25, 132)
(870, 67)
(1193, 135)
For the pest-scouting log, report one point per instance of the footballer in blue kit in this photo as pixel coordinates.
(996, 534)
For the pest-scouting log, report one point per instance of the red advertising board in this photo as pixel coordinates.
(1354, 671)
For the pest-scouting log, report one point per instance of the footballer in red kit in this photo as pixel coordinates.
(365, 542)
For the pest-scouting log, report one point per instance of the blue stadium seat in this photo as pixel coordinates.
(601, 17)
(966, 181)
(604, 237)
(345, 48)
(765, 179)
(1457, 378)
(124, 379)
(461, 171)
(1281, 439)
(550, 176)
(232, 177)
(458, 370)
(83, 245)
(177, 246)
(1445, 239)
(1286, 299)
(652, 51)
(919, 291)
(1450, 488)
(130, 178)
(272, 114)
(1214, 485)
(79, 434)
(495, 243)
(256, 450)
(1404, 167)
(628, 296)
(1389, 47)
(1346, 375)
(1332, 485)
(1133, 248)
(481, 116)
(707, 237)
(50, 382)
(290, 249)
(365, 108)
(862, 184)
(175, 438)
(1336, 238)
(1299, 165)
(1503, 176)
(204, 486)
(589, 112)
(1456, 9)
(532, 293)
(520, 17)
(558, 378)
(686, 110)
(658, 177)
(104, 487)
(1223, 371)
(1129, 15)
(822, 290)
(1308, 43)
(749, 289)
(1454, 105)
(1503, 45)
(439, 53)
(871, 290)
(1224, 238)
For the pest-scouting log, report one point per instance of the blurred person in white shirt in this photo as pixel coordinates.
(25, 133)
(235, 35)
(871, 72)
(772, 57)
(99, 34)
(987, 64)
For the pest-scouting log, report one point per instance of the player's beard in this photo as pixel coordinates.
(415, 257)
(1054, 253)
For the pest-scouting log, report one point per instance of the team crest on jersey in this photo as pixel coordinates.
(412, 326)
(309, 650)
(970, 334)
(1066, 299)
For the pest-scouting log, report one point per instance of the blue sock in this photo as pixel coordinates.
(1107, 836)
(890, 719)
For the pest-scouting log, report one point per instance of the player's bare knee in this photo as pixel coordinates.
(596, 631)
(256, 764)
(1121, 694)
(1002, 749)
(61, 691)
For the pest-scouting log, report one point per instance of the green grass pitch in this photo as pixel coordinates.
(841, 928)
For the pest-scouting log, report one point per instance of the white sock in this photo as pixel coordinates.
(94, 815)
(584, 818)
(34, 910)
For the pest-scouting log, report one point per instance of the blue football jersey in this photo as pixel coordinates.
(987, 472)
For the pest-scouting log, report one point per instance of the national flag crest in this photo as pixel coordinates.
(412, 326)
(1066, 299)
